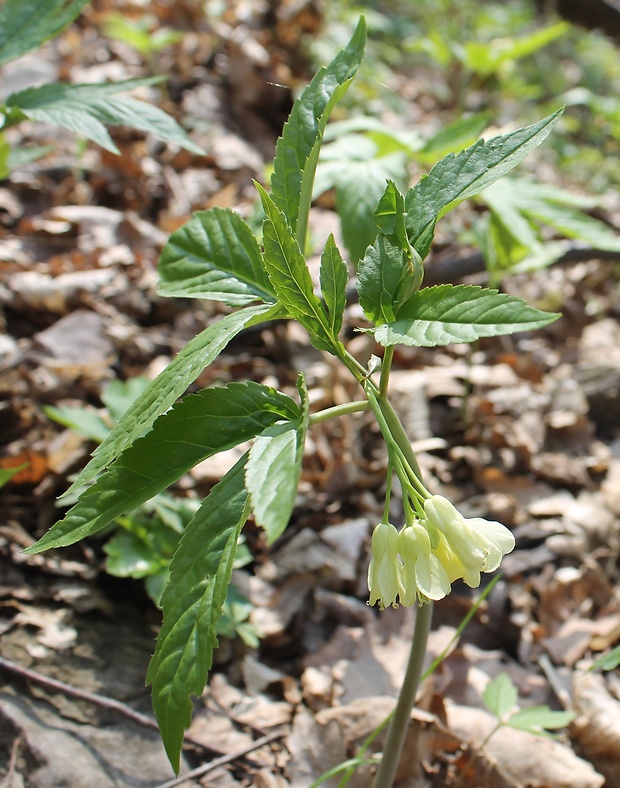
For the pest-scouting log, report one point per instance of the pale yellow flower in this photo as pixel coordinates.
(423, 576)
(384, 568)
(466, 546)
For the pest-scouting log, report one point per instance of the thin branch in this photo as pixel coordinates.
(233, 756)
(97, 700)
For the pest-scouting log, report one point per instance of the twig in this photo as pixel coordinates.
(98, 700)
(224, 759)
(555, 680)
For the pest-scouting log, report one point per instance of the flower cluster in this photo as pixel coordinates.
(420, 562)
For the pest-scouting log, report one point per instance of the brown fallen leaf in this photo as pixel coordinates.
(524, 759)
(597, 726)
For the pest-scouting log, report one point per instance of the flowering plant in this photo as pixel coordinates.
(215, 256)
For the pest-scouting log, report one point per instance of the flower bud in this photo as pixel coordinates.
(423, 576)
(384, 569)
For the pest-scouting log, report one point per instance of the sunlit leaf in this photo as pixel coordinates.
(161, 393)
(455, 178)
(297, 150)
(192, 603)
(26, 24)
(196, 427)
(459, 313)
(214, 256)
(86, 109)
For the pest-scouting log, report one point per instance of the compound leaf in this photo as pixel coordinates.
(214, 256)
(169, 385)
(457, 177)
(85, 109)
(196, 427)
(297, 150)
(500, 696)
(539, 718)
(459, 313)
(192, 604)
(26, 24)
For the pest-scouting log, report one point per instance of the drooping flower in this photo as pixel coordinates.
(385, 566)
(466, 546)
(423, 576)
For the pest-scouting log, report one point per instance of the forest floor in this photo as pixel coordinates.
(523, 430)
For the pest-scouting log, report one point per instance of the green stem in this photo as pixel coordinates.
(400, 436)
(386, 366)
(339, 410)
(400, 721)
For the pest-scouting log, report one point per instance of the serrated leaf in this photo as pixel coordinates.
(214, 256)
(273, 471)
(391, 270)
(197, 427)
(538, 719)
(290, 277)
(500, 696)
(459, 313)
(297, 150)
(355, 206)
(26, 24)
(192, 603)
(85, 108)
(333, 278)
(170, 384)
(455, 178)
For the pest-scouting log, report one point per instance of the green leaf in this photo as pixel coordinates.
(297, 150)
(5, 153)
(215, 256)
(6, 474)
(609, 661)
(82, 420)
(118, 395)
(290, 277)
(355, 206)
(455, 178)
(345, 164)
(333, 279)
(519, 204)
(129, 556)
(453, 138)
(488, 58)
(273, 471)
(196, 427)
(538, 718)
(85, 109)
(18, 157)
(459, 313)
(391, 270)
(500, 696)
(170, 384)
(26, 24)
(192, 602)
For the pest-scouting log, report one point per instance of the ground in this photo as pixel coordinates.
(523, 430)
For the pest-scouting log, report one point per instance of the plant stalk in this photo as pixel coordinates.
(400, 721)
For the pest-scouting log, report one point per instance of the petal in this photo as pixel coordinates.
(431, 577)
